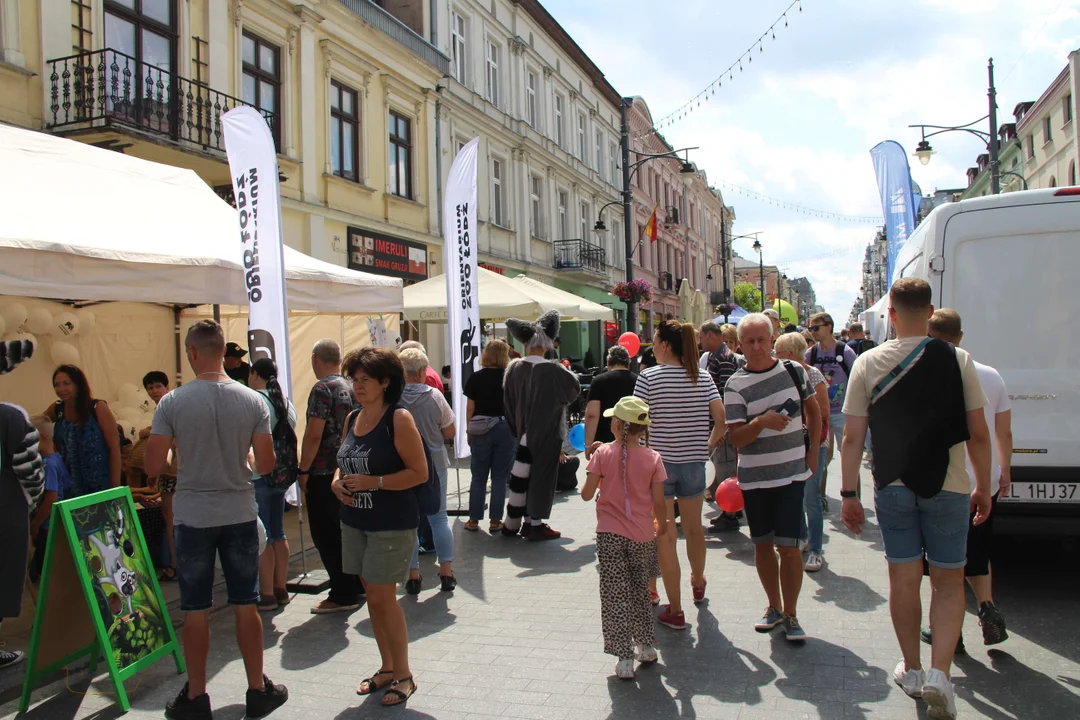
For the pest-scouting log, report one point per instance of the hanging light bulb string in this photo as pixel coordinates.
(795, 207)
(747, 57)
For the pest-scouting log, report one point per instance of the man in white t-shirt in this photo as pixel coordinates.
(945, 325)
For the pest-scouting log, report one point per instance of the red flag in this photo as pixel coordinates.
(650, 227)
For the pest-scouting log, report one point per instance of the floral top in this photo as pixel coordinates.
(84, 451)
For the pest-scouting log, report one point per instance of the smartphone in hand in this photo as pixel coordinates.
(789, 408)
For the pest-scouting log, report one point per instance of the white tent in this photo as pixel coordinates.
(80, 222)
(875, 320)
(570, 306)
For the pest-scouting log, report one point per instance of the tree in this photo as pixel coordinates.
(748, 297)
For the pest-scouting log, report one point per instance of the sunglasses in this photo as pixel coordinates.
(815, 328)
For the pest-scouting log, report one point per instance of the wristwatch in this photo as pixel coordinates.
(380, 485)
(848, 494)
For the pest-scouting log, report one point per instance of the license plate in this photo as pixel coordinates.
(1048, 492)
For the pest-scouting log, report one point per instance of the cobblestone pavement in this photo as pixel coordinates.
(520, 638)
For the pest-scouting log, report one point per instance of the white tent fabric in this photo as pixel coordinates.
(875, 320)
(81, 222)
(500, 298)
(570, 306)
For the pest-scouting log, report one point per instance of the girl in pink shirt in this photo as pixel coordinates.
(630, 477)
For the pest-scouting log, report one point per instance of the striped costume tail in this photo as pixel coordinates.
(518, 486)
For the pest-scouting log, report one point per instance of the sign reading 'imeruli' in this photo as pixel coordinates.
(462, 282)
(253, 165)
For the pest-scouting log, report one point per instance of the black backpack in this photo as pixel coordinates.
(288, 464)
(863, 345)
(840, 360)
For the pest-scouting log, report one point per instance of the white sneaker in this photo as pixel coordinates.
(937, 693)
(646, 654)
(910, 681)
(625, 669)
(814, 562)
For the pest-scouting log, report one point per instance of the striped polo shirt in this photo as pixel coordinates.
(679, 410)
(775, 458)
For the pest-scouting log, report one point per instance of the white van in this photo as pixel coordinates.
(1010, 265)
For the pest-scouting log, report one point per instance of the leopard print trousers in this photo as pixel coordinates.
(626, 612)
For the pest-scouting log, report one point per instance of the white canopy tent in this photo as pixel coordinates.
(875, 320)
(501, 298)
(80, 222)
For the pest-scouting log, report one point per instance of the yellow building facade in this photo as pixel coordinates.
(347, 88)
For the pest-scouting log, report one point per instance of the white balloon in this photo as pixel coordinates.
(39, 320)
(87, 320)
(142, 403)
(127, 393)
(64, 353)
(65, 324)
(15, 315)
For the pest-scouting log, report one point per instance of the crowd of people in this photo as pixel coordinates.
(766, 405)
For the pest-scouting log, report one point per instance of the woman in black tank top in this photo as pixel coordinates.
(380, 461)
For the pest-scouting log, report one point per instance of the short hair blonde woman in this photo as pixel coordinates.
(496, 355)
(730, 334)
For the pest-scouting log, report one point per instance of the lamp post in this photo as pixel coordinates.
(686, 173)
(923, 152)
(725, 306)
(761, 269)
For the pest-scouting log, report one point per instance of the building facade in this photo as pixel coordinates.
(347, 89)
(1048, 133)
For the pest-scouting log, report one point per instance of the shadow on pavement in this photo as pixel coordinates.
(426, 617)
(314, 641)
(1008, 688)
(847, 593)
(831, 677)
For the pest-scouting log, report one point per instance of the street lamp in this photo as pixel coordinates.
(725, 306)
(923, 151)
(761, 269)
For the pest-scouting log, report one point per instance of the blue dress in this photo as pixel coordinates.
(85, 453)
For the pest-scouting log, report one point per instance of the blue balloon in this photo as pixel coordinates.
(577, 437)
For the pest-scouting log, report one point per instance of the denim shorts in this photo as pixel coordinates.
(912, 527)
(271, 504)
(684, 480)
(837, 421)
(196, 549)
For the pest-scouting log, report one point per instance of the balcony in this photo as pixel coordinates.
(580, 257)
(105, 88)
(401, 33)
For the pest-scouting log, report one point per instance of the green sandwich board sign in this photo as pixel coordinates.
(99, 595)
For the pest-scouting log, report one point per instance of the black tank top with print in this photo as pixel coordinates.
(374, 454)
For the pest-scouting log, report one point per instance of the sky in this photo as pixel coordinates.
(797, 123)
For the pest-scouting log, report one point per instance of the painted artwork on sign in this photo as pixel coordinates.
(385, 255)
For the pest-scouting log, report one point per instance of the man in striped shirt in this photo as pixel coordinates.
(767, 408)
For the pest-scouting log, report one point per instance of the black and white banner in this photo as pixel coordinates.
(254, 169)
(462, 282)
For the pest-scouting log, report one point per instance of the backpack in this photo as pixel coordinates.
(288, 464)
(863, 345)
(802, 403)
(840, 360)
(428, 493)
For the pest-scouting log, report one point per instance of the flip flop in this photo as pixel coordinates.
(400, 696)
(167, 575)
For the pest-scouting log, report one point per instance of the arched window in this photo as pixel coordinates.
(1053, 181)
(1072, 172)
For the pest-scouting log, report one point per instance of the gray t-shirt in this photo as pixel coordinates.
(212, 424)
(431, 413)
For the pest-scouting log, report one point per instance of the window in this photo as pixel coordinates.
(564, 221)
(1053, 181)
(536, 193)
(400, 165)
(616, 238)
(1047, 136)
(262, 78)
(1066, 109)
(530, 98)
(459, 62)
(598, 144)
(1031, 146)
(585, 224)
(559, 120)
(493, 73)
(344, 131)
(497, 215)
(581, 137)
(1072, 173)
(613, 165)
(140, 41)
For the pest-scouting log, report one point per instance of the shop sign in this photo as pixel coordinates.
(493, 268)
(384, 255)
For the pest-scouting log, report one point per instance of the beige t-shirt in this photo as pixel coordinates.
(871, 368)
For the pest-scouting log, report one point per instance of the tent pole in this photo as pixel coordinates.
(178, 351)
(217, 314)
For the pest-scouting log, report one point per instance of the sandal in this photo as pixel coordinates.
(393, 696)
(167, 575)
(495, 526)
(373, 685)
(472, 525)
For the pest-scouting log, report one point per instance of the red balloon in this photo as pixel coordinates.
(566, 363)
(631, 342)
(729, 496)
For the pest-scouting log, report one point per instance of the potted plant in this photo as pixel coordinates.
(633, 292)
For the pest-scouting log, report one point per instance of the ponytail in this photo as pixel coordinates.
(267, 370)
(683, 341)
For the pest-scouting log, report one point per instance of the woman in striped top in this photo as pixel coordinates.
(682, 399)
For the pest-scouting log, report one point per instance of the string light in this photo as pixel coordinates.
(802, 209)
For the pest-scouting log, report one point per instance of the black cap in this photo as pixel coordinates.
(234, 350)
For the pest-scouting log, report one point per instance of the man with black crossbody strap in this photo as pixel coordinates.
(923, 401)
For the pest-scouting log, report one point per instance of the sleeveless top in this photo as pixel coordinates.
(84, 451)
(374, 454)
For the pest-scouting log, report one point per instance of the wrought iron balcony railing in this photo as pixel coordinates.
(108, 87)
(579, 255)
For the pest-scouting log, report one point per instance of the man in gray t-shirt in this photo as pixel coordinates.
(214, 421)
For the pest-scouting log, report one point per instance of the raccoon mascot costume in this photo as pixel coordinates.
(535, 395)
